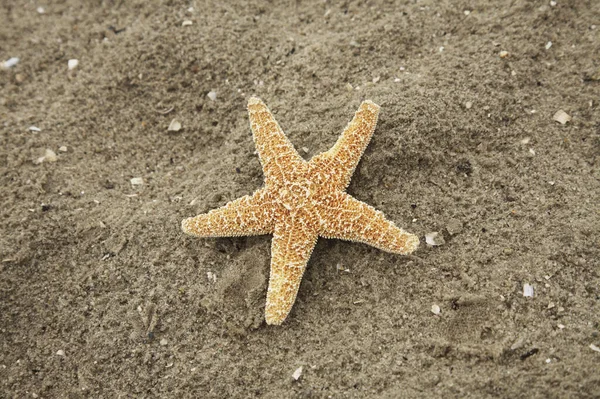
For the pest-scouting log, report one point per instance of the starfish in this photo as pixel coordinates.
(301, 201)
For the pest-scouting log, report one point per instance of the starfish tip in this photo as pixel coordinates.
(254, 100)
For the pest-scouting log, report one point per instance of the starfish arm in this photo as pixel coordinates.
(341, 160)
(292, 245)
(245, 216)
(353, 220)
(276, 153)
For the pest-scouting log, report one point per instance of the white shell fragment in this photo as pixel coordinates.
(435, 309)
(49, 156)
(72, 64)
(163, 342)
(34, 129)
(548, 45)
(62, 148)
(297, 374)
(212, 95)
(594, 348)
(527, 290)
(503, 54)
(174, 126)
(60, 352)
(562, 117)
(187, 22)
(40, 10)
(11, 62)
(434, 238)
(137, 181)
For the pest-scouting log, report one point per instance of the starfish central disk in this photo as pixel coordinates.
(301, 201)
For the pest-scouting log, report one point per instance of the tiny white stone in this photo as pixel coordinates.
(187, 22)
(441, 49)
(467, 12)
(527, 290)
(548, 45)
(435, 309)
(163, 342)
(212, 95)
(62, 148)
(532, 151)
(503, 54)
(396, 80)
(137, 181)
(548, 360)
(60, 352)
(594, 348)
(552, 3)
(50, 156)
(11, 62)
(297, 374)
(561, 326)
(72, 64)
(174, 126)
(561, 117)
(376, 79)
(40, 10)
(434, 238)
(35, 129)
(468, 104)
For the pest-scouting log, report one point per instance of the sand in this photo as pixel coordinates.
(102, 296)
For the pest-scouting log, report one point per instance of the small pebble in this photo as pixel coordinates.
(174, 126)
(137, 181)
(434, 238)
(435, 309)
(594, 348)
(186, 23)
(548, 45)
(467, 12)
(40, 10)
(561, 326)
(562, 117)
(164, 342)
(60, 352)
(72, 64)
(528, 290)
(62, 148)
(34, 129)
(212, 95)
(376, 79)
(503, 54)
(11, 62)
(297, 374)
(468, 104)
(553, 3)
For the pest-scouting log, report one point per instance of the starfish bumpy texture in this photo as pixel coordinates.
(301, 201)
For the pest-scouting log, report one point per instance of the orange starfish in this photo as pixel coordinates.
(301, 201)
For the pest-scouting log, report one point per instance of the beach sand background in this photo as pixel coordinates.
(101, 295)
